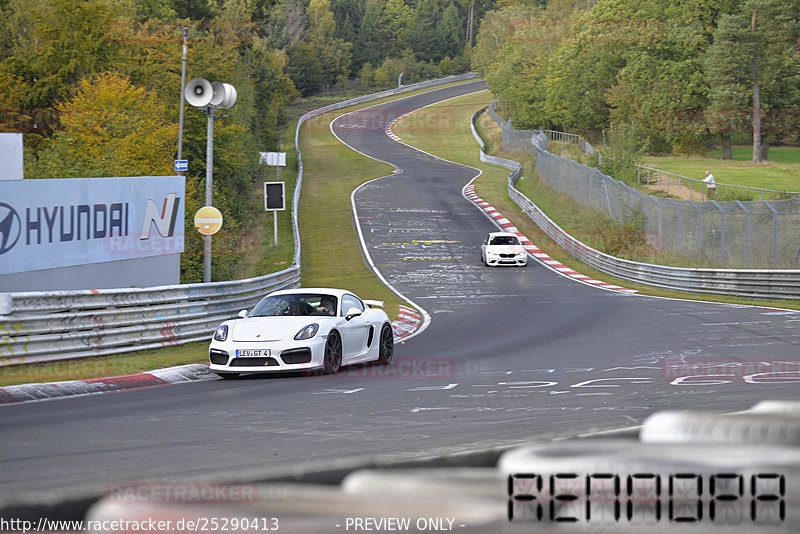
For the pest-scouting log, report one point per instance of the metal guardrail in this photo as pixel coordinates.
(60, 325)
(750, 283)
(572, 139)
(47, 326)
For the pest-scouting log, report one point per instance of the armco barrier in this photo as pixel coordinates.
(750, 283)
(46, 326)
(59, 325)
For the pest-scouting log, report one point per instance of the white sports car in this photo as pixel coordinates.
(503, 248)
(302, 329)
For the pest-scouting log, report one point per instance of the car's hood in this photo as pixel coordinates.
(505, 249)
(272, 328)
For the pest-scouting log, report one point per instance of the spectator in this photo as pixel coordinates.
(711, 184)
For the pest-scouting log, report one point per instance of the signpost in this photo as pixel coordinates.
(211, 97)
(274, 191)
(274, 201)
(181, 165)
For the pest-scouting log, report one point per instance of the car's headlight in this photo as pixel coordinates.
(221, 333)
(307, 332)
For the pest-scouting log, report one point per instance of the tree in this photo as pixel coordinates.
(304, 69)
(319, 58)
(419, 35)
(193, 9)
(111, 128)
(71, 42)
(755, 48)
(348, 15)
(450, 32)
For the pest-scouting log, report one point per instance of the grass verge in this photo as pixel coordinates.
(458, 145)
(779, 174)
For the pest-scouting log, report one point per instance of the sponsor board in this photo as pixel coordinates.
(46, 224)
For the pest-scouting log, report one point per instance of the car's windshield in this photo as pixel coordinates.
(298, 304)
(504, 240)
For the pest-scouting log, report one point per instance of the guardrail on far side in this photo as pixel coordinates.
(750, 283)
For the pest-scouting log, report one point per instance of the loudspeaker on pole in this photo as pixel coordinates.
(199, 92)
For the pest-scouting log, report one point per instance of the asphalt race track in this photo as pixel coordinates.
(510, 355)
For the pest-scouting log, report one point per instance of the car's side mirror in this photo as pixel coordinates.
(352, 312)
(243, 314)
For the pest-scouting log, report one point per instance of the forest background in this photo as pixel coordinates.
(94, 85)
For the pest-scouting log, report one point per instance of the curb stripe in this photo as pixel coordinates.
(93, 386)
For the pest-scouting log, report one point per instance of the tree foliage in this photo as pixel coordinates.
(110, 128)
(95, 84)
(681, 73)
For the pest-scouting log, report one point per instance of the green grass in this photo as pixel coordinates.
(781, 173)
(777, 154)
(331, 255)
(457, 144)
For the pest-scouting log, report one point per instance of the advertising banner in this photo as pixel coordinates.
(46, 224)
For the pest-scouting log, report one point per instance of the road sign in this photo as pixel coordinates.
(274, 196)
(181, 165)
(273, 159)
(208, 220)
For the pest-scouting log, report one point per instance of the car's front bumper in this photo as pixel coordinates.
(297, 356)
(494, 261)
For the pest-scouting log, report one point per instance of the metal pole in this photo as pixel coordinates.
(275, 213)
(185, 32)
(209, 189)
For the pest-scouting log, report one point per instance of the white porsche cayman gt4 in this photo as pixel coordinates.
(300, 330)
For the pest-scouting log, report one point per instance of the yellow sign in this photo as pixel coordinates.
(208, 220)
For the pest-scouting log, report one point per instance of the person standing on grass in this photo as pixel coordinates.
(711, 185)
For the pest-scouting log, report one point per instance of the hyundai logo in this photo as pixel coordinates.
(10, 227)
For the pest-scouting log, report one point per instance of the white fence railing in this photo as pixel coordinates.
(750, 283)
(59, 325)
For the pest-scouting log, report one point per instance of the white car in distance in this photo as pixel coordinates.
(503, 248)
(301, 330)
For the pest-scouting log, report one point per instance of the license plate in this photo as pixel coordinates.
(252, 353)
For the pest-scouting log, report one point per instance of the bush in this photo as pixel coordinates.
(622, 152)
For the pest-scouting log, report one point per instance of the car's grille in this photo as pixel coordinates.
(507, 255)
(253, 362)
(296, 356)
(218, 357)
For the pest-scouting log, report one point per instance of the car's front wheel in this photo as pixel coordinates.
(333, 354)
(386, 347)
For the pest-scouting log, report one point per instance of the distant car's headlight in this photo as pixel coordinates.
(222, 333)
(307, 332)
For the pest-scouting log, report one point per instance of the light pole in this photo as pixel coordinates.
(185, 33)
(201, 93)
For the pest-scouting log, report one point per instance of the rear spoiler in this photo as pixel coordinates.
(372, 303)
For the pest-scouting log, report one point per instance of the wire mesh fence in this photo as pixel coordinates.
(730, 234)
